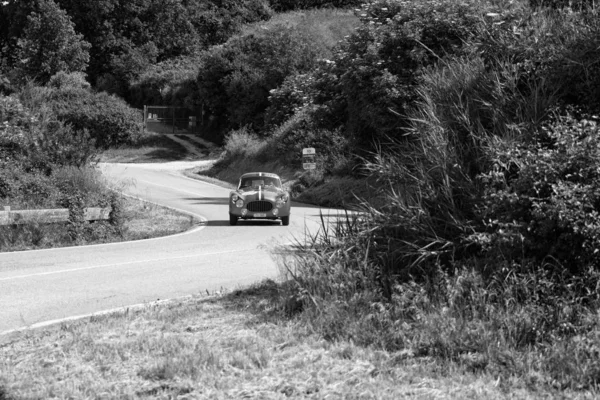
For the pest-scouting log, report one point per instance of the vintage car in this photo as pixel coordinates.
(259, 195)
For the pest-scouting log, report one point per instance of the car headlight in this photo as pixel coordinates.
(234, 198)
(281, 201)
(239, 203)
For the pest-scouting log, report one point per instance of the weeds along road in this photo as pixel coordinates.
(37, 287)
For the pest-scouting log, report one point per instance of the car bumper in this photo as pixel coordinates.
(244, 213)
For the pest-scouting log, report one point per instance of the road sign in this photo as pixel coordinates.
(308, 158)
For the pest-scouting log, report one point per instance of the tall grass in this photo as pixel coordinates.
(414, 274)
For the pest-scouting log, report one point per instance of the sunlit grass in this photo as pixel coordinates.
(225, 348)
(326, 26)
(146, 220)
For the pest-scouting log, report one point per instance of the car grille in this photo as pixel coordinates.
(260, 206)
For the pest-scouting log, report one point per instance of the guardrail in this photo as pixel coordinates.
(20, 217)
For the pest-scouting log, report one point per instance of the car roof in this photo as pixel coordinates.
(259, 174)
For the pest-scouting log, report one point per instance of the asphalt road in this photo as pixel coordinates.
(38, 287)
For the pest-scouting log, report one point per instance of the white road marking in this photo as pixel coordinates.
(63, 271)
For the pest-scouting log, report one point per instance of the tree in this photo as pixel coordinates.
(50, 44)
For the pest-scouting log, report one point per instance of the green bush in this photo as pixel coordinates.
(295, 93)
(560, 4)
(63, 80)
(170, 82)
(15, 121)
(369, 85)
(286, 5)
(242, 143)
(235, 79)
(558, 49)
(217, 21)
(299, 132)
(107, 118)
(546, 196)
(87, 182)
(39, 140)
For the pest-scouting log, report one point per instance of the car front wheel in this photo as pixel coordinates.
(285, 221)
(233, 219)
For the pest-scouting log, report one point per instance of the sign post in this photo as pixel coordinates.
(309, 158)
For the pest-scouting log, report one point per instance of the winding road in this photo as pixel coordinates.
(45, 286)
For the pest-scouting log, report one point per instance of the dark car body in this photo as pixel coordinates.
(259, 195)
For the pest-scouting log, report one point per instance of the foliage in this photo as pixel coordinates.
(368, 86)
(107, 119)
(128, 37)
(545, 195)
(116, 218)
(483, 247)
(16, 121)
(39, 141)
(286, 5)
(557, 49)
(235, 79)
(295, 93)
(63, 80)
(300, 131)
(169, 82)
(217, 21)
(75, 203)
(50, 44)
(561, 4)
(241, 143)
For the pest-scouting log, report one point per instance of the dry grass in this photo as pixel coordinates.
(223, 348)
(146, 220)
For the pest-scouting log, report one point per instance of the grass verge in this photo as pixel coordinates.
(232, 346)
(141, 220)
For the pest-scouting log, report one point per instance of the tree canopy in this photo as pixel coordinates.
(50, 44)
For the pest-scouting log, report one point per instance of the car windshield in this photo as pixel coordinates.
(259, 182)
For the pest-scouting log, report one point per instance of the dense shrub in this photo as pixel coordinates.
(38, 140)
(545, 196)
(560, 4)
(241, 143)
(558, 49)
(107, 119)
(170, 82)
(295, 93)
(286, 5)
(217, 21)
(300, 131)
(369, 85)
(26, 188)
(64, 80)
(15, 121)
(235, 79)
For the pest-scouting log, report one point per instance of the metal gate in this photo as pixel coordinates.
(167, 119)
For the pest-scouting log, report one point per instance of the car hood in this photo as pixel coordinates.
(250, 194)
